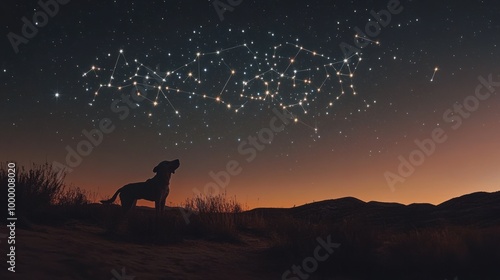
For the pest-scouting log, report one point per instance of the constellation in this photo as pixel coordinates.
(367, 39)
(290, 76)
(434, 74)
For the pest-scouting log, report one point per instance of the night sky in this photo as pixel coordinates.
(162, 80)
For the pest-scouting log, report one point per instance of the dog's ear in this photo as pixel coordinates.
(155, 170)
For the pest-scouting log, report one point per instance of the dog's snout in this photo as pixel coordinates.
(167, 166)
(175, 164)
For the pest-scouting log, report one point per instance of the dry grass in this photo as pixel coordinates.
(216, 217)
(40, 188)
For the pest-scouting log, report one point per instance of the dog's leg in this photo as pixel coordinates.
(157, 208)
(127, 202)
(162, 204)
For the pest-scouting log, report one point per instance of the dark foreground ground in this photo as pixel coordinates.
(458, 239)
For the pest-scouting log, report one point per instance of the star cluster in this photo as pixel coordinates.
(288, 76)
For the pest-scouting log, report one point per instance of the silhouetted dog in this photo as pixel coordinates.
(155, 189)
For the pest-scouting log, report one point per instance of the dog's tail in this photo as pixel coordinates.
(112, 199)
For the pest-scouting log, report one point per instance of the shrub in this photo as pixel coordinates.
(217, 216)
(39, 188)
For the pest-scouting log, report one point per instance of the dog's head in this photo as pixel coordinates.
(167, 166)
